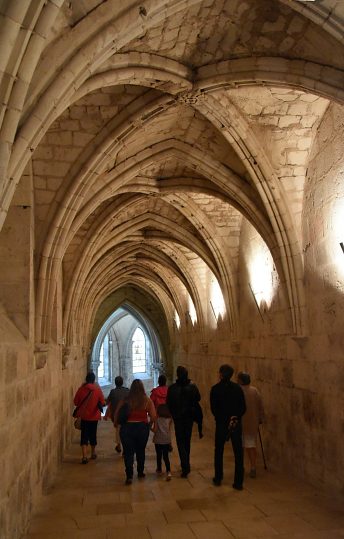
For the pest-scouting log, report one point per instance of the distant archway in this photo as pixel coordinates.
(127, 345)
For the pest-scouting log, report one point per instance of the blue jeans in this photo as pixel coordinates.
(134, 438)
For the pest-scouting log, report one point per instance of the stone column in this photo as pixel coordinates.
(16, 258)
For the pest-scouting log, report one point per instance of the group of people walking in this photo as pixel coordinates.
(236, 407)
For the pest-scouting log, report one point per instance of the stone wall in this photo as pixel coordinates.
(300, 388)
(17, 474)
(324, 273)
(300, 377)
(35, 422)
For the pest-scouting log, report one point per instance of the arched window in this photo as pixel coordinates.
(104, 360)
(101, 370)
(139, 351)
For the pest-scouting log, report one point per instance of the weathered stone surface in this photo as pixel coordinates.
(184, 160)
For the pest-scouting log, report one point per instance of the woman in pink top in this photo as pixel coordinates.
(89, 399)
(135, 431)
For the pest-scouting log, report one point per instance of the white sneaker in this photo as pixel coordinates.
(168, 476)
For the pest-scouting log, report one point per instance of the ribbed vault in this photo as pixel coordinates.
(146, 119)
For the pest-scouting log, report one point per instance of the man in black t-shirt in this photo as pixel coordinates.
(227, 404)
(182, 397)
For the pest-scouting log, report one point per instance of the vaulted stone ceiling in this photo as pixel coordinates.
(152, 131)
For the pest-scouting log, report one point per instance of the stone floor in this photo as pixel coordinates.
(91, 502)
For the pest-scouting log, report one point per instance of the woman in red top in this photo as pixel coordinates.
(89, 399)
(135, 431)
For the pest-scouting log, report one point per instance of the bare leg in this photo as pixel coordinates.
(84, 453)
(252, 455)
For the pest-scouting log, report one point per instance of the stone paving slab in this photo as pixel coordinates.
(92, 502)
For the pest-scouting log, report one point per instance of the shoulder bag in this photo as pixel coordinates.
(77, 422)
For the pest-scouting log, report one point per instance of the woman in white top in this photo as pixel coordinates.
(253, 416)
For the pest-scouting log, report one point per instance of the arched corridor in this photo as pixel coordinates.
(94, 503)
(179, 162)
